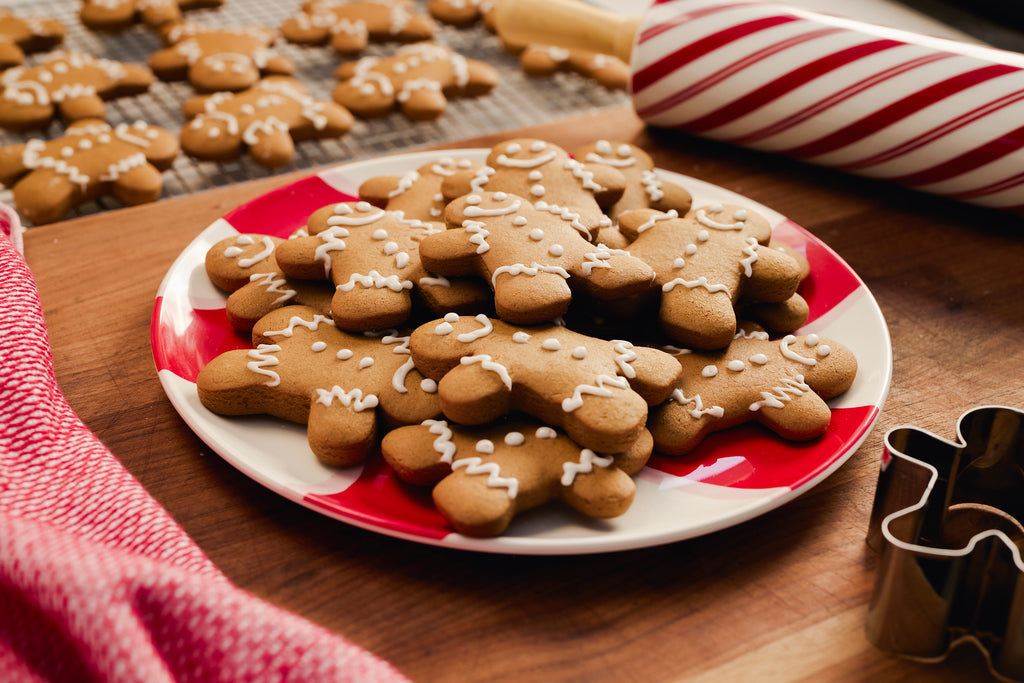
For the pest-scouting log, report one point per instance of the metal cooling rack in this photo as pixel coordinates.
(518, 100)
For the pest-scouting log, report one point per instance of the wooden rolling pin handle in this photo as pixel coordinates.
(567, 24)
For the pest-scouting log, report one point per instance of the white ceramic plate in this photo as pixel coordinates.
(732, 477)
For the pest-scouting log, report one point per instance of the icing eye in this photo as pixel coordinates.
(716, 208)
(556, 250)
(709, 371)
(451, 317)
(465, 163)
(443, 329)
(824, 350)
(736, 365)
(520, 337)
(344, 354)
(342, 209)
(603, 147)
(485, 446)
(514, 439)
(429, 386)
(318, 346)
(363, 206)
(812, 340)
(537, 190)
(514, 148)
(536, 234)
(759, 359)
(365, 362)
(625, 151)
(551, 344)
(473, 199)
(380, 234)
(546, 433)
(580, 352)
(538, 146)
(66, 152)
(740, 215)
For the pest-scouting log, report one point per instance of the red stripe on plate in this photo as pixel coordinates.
(283, 211)
(184, 339)
(656, 71)
(785, 84)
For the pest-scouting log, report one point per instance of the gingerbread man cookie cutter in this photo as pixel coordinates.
(947, 523)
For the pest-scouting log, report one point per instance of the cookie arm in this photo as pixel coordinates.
(612, 183)
(377, 190)
(656, 374)
(471, 506)
(476, 391)
(775, 276)
(12, 164)
(631, 221)
(138, 185)
(297, 257)
(451, 252)
(342, 427)
(414, 453)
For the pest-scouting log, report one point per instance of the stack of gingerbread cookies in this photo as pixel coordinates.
(527, 328)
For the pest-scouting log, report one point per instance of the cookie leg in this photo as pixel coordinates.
(698, 317)
(795, 413)
(602, 492)
(675, 429)
(472, 506)
(44, 196)
(271, 145)
(422, 101)
(342, 427)
(476, 391)
(82, 107)
(138, 185)
(370, 304)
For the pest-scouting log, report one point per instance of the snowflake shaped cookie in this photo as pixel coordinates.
(484, 476)
(530, 254)
(304, 369)
(782, 384)
(72, 84)
(266, 120)
(214, 59)
(597, 391)
(348, 27)
(418, 79)
(91, 159)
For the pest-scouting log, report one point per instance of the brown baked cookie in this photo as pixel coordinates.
(461, 13)
(418, 79)
(372, 256)
(782, 384)
(245, 267)
(118, 15)
(417, 194)
(305, 370)
(214, 59)
(485, 476)
(532, 256)
(544, 172)
(644, 189)
(91, 159)
(350, 26)
(267, 120)
(547, 60)
(704, 262)
(24, 35)
(72, 84)
(779, 317)
(597, 391)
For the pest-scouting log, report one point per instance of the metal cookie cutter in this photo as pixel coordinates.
(948, 522)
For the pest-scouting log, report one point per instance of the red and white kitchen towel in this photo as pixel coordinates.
(97, 581)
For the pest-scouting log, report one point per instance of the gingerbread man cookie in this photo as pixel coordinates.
(544, 172)
(782, 384)
(644, 189)
(266, 120)
(245, 267)
(305, 370)
(547, 60)
(417, 194)
(372, 256)
(597, 391)
(349, 26)
(530, 254)
(21, 35)
(118, 15)
(215, 59)
(92, 158)
(72, 84)
(418, 79)
(704, 262)
(485, 476)
(460, 13)
(780, 317)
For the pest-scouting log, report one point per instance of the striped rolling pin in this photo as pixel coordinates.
(936, 115)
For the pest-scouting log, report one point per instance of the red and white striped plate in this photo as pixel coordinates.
(732, 477)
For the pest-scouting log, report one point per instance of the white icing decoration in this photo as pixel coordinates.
(514, 439)
(709, 371)
(530, 270)
(318, 346)
(520, 337)
(576, 400)
(546, 433)
(352, 399)
(702, 281)
(697, 402)
(274, 284)
(790, 387)
(485, 446)
(489, 364)
(653, 220)
(551, 344)
(736, 365)
(344, 354)
(580, 352)
(485, 329)
(626, 355)
(704, 219)
(791, 354)
(588, 460)
(365, 362)
(759, 359)
(375, 279)
(262, 359)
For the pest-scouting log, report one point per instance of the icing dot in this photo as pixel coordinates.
(428, 385)
(709, 371)
(546, 433)
(519, 221)
(520, 337)
(759, 359)
(551, 344)
(514, 148)
(812, 340)
(319, 346)
(678, 263)
(538, 146)
(716, 208)
(390, 248)
(824, 350)
(443, 329)
(213, 133)
(85, 144)
(451, 317)
(248, 109)
(514, 439)
(380, 234)
(473, 199)
(535, 175)
(741, 215)
(363, 206)
(537, 190)
(365, 362)
(691, 249)
(536, 234)
(485, 446)
(703, 236)
(579, 352)
(556, 250)
(625, 151)
(66, 152)
(500, 196)
(344, 354)
(736, 365)
(104, 138)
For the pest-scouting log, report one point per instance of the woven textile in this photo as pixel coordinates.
(97, 581)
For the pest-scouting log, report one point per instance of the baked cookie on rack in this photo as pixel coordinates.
(266, 120)
(484, 476)
(350, 26)
(417, 79)
(92, 158)
(213, 59)
(24, 35)
(71, 84)
(547, 60)
(118, 15)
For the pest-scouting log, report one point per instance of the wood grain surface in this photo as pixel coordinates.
(780, 598)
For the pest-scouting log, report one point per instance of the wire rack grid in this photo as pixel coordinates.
(518, 100)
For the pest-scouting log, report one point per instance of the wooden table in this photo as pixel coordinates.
(779, 598)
